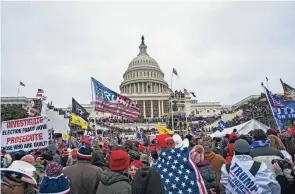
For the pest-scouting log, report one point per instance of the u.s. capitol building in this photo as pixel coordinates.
(144, 82)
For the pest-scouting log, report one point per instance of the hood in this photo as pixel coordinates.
(110, 177)
(203, 163)
(51, 149)
(209, 156)
(39, 167)
(134, 155)
(98, 159)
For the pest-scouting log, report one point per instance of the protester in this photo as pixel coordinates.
(39, 173)
(215, 160)
(98, 159)
(18, 178)
(19, 154)
(290, 146)
(84, 177)
(144, 159)
(285, 171)
(142, 149)
(229, 149)
(134, 166)
(72, 158)
(276, 142)
(116, 180)
(147, 181)
(54, 181)
(163, 142)
(206, 170)
(243, 168)
(261, 150)
(51, 151)
(178, 171)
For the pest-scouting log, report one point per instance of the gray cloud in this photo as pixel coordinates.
(222, 51)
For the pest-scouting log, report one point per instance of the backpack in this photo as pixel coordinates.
(253, 170)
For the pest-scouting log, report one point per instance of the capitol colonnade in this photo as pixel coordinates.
(144, 82)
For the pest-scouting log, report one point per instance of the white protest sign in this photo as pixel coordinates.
(29, 133)
(241, 181)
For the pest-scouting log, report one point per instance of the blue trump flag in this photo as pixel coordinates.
(221, 125)
(179, 173)
(281, 109)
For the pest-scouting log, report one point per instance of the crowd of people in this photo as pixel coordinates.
(128, 167)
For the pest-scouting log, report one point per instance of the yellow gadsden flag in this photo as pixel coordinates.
(67, 137)
(164, 130)
(79, 121)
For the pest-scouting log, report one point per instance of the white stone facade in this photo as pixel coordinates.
(144, 82)
(205, 109)
(23, 101)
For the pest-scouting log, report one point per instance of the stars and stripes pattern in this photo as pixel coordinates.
(275, 102)
(140, 137)
(179, 173)
(107, 100)
(186, 92)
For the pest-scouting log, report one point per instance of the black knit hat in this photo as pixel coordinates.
(147, 180)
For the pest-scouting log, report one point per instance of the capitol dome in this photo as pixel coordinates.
(143, 75)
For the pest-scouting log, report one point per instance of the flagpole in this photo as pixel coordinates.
(271, 109)
(266, 78)
(93, 104)
(171, 103)
(18, 88)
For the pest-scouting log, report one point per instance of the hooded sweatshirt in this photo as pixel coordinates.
(113, 182)
(98, 159)
(216, 162)
(51, 150)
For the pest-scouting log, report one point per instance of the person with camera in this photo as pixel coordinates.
(244, 175)
(285, 170)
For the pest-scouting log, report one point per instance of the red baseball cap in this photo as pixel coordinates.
(233, 136)
(164, 141)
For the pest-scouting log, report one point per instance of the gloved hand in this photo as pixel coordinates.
(277, 169)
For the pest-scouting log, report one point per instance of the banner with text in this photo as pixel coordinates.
(241, 181)
(29, 133)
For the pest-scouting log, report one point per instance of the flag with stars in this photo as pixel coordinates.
(179, 173)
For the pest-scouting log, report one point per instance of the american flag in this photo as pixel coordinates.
(179, 173)
(273, 99)
(175, 72)
(186, 92)
(107, 100)
(140, 137)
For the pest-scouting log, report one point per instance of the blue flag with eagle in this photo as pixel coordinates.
(179, 173)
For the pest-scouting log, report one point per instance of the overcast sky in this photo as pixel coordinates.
(222, 51)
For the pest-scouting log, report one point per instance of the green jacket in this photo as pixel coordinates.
(113, 183)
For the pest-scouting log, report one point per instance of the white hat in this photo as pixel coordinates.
(21, 170)
(178, 141)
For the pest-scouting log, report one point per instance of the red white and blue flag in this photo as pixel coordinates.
(179, 173)
(186, 92)
(106, 100)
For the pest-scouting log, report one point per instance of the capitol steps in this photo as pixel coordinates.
(225, 118)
